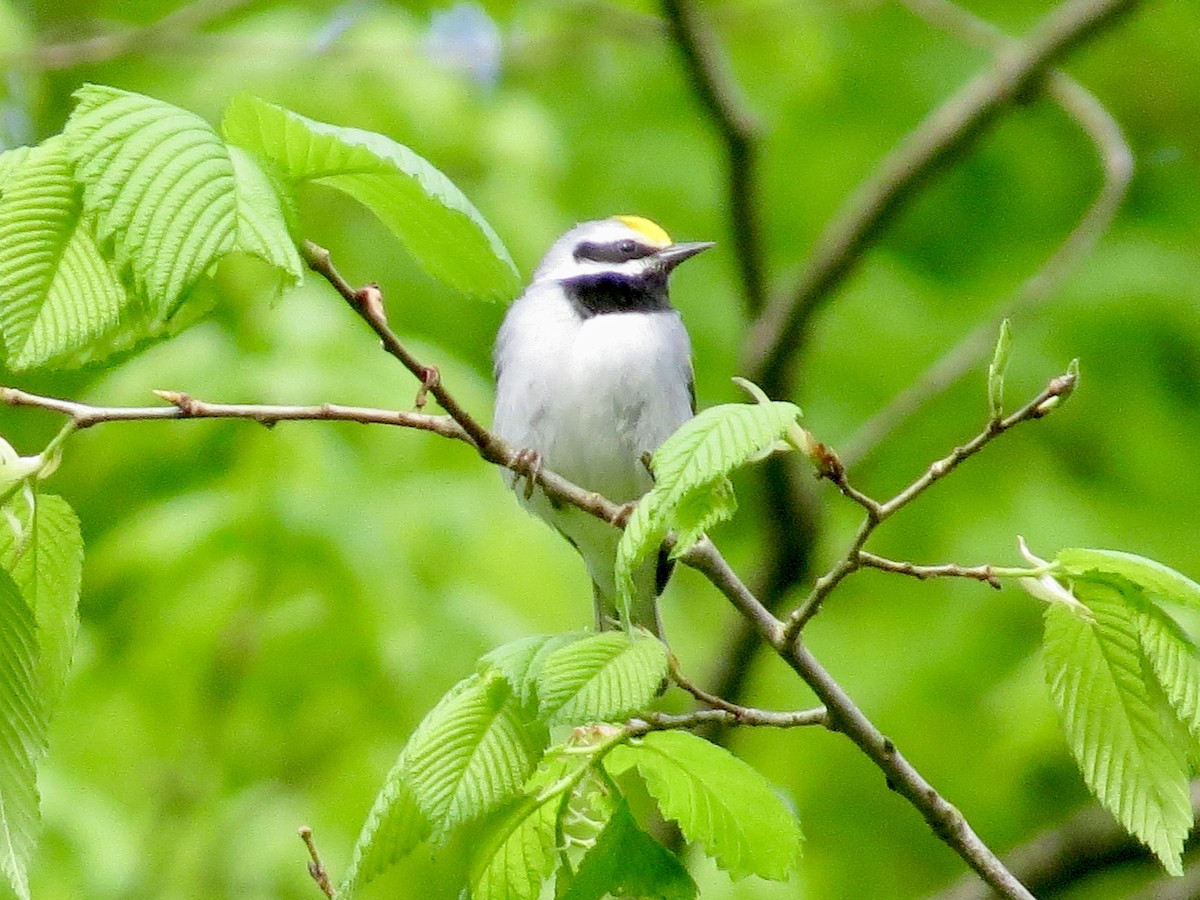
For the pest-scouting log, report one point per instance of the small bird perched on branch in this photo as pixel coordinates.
(593, 372)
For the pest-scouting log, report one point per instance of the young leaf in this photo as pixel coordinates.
(997, 369)
(718, 801)
(57, 293)
(521, 661)
(603, 678)
(691, 489)
(393, 829)
(22, 736)
(520, 856)
(471, 752)
(46, 563)
(1152, 577)
(627, 862)
(440, 227)
(160, 185)
(262, 227)
(1095, 673)
(1175, 661)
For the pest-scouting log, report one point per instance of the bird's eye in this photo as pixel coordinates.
(628, 248)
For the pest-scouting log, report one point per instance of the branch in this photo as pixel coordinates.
(843, 715)
(184, 406)
(316, 869)
(948, 570)
(719, 95)
(1058, 390)
(114, 44)
(747, 715)
(1116, 160)
(1056, 859)
(947, 131)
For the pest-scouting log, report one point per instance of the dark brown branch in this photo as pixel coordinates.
(718, 93)
(1116, 161)
(777, 336)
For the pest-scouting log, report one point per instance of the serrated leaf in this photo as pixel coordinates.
(1095, 673)
(10, 161)
(997, 370)
(718, 801)
(22, 736)
(521, 661)
(1175, 661)
(441, 228)
(1152, 577)
(159, 184)
(627, 862)
(262, 226)
(46, 562)
(691, 489)
(520, 854)
(393, 829)
(606, 677)
(57, 293)
(471, 752)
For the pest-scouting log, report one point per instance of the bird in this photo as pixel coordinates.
(593, 371)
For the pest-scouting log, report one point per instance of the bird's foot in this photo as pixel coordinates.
(528, 466)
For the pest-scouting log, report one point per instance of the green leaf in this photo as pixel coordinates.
(627, 862)
(997, 370)
(440, 227)
(160, 185)
(471, 752)
(262, 226)
(520, 855)
(603, 678)
(1152, 577)
(393, 829)
(46, 562)
(521, 661)
(57, 293)
(10, 161)
(691, 490)
(1175, 661)
(1095, 673)
(718, 801)
(22, 736)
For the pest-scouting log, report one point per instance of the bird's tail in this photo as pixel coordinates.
(648, 582)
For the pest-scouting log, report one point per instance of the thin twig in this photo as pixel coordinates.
(1057, 390)
(716, 90)
(184, 406)
(985, 573)
(778, 334)
(315, 868)
(746, 715)
(1116, 161)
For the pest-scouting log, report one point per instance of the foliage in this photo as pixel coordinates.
(266, 611)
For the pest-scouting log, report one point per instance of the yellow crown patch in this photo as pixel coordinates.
(651, 230)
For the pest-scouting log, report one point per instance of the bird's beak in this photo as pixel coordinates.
(672, 256)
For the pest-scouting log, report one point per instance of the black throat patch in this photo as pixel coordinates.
(607, 292)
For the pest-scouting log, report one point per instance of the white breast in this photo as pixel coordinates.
(591, 395)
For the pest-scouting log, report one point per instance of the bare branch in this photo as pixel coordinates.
(315, 868)
(1116, 160)
(1088, 841)
(115, 43)
(183, 406)
(946, 570)
(746, 715)
(777, 336)
(1058, 389)
(844, 716)
(718, 93)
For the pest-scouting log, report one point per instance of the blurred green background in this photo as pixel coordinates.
(268, 613)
